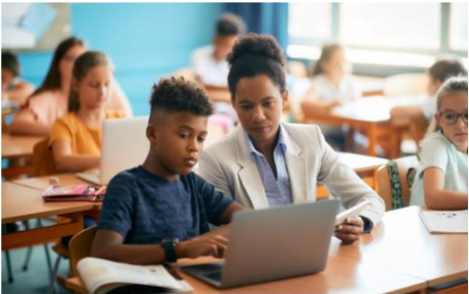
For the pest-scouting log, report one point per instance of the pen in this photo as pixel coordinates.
(100, 190)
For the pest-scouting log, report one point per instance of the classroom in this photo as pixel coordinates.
(268, 147)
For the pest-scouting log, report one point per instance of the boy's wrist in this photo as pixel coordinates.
(180, 250)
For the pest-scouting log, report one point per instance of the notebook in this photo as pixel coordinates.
(124, 145)
(445, 221)
(105, 276)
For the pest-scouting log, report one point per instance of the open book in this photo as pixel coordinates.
(103, 276)
(81, 192)
(445, 221)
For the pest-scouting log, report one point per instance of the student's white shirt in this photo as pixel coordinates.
(428, 108)
(211, 71)
(349, 89)
(228, 166)
(438, 151)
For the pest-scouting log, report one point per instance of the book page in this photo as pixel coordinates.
(96, 272)
(445, 221)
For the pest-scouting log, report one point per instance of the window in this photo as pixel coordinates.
(310, 20)
(391, 25)
(405, 35)
(458, 26)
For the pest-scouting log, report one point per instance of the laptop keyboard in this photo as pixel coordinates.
(208, 267)
(216, 276)
(212, 271)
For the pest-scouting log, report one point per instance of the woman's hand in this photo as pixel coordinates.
(350, 230)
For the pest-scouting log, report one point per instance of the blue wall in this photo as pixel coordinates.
(145, 41)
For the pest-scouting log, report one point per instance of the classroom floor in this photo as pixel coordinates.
(36, 278)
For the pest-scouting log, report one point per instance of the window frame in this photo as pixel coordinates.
(444, 38)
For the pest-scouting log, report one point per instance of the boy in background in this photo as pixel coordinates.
(160, 211)
(209, 62)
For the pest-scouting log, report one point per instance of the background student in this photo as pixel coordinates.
(50, 100)
(418, 118)
(265, 162)
(209, 62)
(331, 85)
(75, 138)
(441, 181)
(14, 89)
(160, 211)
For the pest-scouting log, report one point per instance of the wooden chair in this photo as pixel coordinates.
(44, 165)
(43, 159)
(394, 187)
(80, 247)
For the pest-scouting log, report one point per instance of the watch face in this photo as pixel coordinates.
(170, 240)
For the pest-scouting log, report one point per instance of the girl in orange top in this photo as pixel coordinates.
(50, 100)
(76, 137)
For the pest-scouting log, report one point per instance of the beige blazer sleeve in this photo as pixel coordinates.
(344, 183)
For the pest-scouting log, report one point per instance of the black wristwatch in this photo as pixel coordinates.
(169, 246)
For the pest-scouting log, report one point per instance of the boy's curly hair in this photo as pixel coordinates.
(178, 95)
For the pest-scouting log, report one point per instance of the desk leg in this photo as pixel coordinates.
(395, 142)
(43, 234)
(372, 133)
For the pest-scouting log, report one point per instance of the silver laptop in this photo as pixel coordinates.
(124, 145)
(271, 244)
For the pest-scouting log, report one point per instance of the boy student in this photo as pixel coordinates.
(160, 211)
(209, 62)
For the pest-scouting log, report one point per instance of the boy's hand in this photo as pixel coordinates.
(349, 230)
(210, 245)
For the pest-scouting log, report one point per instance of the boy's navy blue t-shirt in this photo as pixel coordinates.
(145, 208)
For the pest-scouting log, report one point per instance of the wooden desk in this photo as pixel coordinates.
(16, 145)
(400, 255)
(370, 115)
(22, 203)
(20, 149)
(403, 244)
(342, 275)
(365, 166)
(42, 183)
(362, 164)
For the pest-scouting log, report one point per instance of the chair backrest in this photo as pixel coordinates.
(392, 183)
(405, 85)
(80, 247)
(44, 163)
